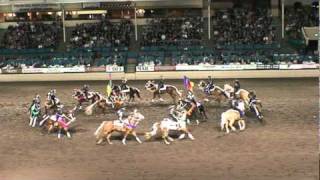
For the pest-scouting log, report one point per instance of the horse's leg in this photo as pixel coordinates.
(31, 120)
(135, 135)
(50, 128)
(34, 121)
(165, 134)
(231, 125)
(68, 133)
(125, 137)
(59, 133)
(108, 137)
(227, 127)
(182, 135)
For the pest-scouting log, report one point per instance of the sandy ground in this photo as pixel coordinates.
(286, 148)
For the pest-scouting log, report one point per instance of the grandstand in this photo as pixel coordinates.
(132, 34)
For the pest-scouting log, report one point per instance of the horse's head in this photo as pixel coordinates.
(228, 88)
(76, 92)
(202, 85)
(71, 115)
(150, 86)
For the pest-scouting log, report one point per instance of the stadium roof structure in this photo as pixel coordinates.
(310, 34)
(15, 2)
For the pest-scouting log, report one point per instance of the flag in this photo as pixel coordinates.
(187, 83)
(109, 86)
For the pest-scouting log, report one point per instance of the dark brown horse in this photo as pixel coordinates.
(173, 91)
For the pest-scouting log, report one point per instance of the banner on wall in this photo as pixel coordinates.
(145, 68)
(10, 71)
(165, 68)
(114, 68)
(76, 69)
(221, 67)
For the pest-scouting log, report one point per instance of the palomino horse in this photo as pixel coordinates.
(244, 94)
(104, 103)
(55, 123)
(169, 89)
(34, 114)
(229, 117)
(127, 126)
(217, 93)
(167, 125)
(81, 97)
(130, 94)
(194, 110)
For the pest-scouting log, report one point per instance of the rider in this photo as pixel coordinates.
(191, 97)
(252, 97)
(161, 86)
(124, 87)
(210, 85)
(238, 105)
(236, 86)
(120, 113)
(85, 90)
(36, 100)
(52, 96)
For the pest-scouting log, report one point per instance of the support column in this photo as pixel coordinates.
(135, 24)
(282, 19)
(209, 19)
(63, 24)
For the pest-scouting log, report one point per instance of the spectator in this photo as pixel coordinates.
(31, 36)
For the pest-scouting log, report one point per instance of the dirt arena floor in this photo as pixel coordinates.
(285, 148)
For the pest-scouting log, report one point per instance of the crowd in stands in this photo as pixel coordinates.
(242, 26)
(102, 34)
(299, 16)
(172, 31)
(31, 36)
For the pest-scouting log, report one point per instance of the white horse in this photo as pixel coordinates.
(229, 117)
(167, 125)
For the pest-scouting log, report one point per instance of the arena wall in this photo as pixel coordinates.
(157, 75)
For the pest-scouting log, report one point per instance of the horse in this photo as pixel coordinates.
(52, 123)
(229, 117)
(167, 125)
(217, 93)
(80, 96)
(34, 114)
(126, 127)
(194, 110)
(169, 89)
(113, 102)
(244, 94)
(132, 93)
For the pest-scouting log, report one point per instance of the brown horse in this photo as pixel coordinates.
(81, 97)
(126, 127)
(173, 91)
(216, 93)
(53, 123)
(104, 104)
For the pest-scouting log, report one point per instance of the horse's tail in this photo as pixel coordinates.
(137, 91)
(97, 132)
(154, 130)
(177, 90)
(88, 110)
